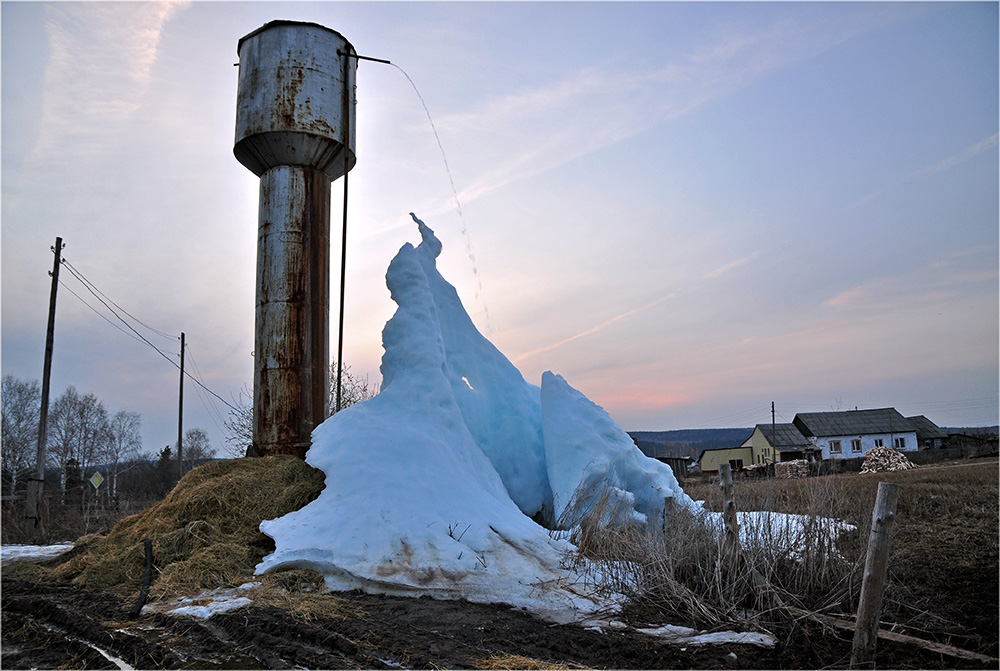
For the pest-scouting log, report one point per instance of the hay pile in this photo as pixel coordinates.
(796, 468)
(882, 459)
(204, 533)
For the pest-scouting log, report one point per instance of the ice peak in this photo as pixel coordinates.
(428, 240)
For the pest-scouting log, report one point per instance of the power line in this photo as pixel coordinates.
(104, 303)
(209, 406)
(87, 282)
(98, 295)
(94, 310)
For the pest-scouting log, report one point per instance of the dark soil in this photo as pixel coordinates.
(943, 586)
(51, 626)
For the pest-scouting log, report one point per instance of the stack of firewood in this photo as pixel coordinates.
(797, 468)
(882, 459)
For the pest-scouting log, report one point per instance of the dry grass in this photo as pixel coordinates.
(299, 593)
(204, 533)
(942, 568)
(510, 661)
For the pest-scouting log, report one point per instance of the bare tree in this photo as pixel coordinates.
(240, 424)
(21, 406)
(197, 447)
(353, 389)
(124, 444)
(78, 433)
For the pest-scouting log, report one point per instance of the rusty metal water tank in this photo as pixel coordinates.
(295, 130)
(289, 105)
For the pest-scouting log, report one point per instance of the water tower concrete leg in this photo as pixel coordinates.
(292, 331)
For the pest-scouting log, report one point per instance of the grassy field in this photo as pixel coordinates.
(943, 571)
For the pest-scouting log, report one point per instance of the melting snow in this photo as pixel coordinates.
(431, 486)
(11, 553)
(205, 604)
(687, 636)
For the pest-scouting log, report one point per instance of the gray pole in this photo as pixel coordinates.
(774, 435)
(346, 112)
(180, 416)
(35, 486)
(874, 578)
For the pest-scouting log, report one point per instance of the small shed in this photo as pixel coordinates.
(929, 435)
(770, 443)
(736, 457)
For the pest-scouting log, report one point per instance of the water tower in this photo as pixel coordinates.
(295, 130)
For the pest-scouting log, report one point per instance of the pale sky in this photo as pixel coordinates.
(688, 210)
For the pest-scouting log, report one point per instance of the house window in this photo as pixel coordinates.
(879, 443)
(899, 443)
(856, 445)
(736, 464)
(834, 447)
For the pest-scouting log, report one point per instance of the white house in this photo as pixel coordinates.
(845, 435)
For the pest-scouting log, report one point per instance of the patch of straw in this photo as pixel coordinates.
(205, 533)
(300, 593)
(502, 660)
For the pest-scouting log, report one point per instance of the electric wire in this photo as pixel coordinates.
(129, 326)
(80, 276)
(97, 294)
(95, 311)
(207, 402)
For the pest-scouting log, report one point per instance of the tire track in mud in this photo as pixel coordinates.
(53, 626)
(58, 626)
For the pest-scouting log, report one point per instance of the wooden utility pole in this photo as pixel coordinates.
(774, 438)
(873, 582)
(180, 417)
(732, 532)
(35, 485)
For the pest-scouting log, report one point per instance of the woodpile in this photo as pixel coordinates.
(882, 459)
(797, 468)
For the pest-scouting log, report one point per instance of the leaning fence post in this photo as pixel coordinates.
(873, 582)
(732, 537)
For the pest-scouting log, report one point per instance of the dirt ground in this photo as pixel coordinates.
(944, 588)
(50, 626)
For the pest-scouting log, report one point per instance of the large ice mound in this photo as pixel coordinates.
(589, 458)
(431, 484)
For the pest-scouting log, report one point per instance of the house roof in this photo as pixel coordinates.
(719, 449)
(926, 428)
(786, 436)
(853, 422)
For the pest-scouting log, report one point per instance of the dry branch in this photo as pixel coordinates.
(933, 646)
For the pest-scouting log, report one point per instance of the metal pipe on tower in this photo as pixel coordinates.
(295, 130)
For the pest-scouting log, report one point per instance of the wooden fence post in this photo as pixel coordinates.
(873, 582)
(732, 537)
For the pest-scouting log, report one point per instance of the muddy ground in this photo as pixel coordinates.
(50, 626)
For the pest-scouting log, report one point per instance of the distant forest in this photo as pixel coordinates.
(687, 442)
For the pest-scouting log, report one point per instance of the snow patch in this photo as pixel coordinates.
(205, 604)
(12, 553)
(687, 636)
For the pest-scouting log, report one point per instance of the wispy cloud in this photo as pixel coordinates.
(937, 281)
(719, 272)
(958, 158)
(536, 130)
(101, 62)
(596, 329)
(948, 163)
